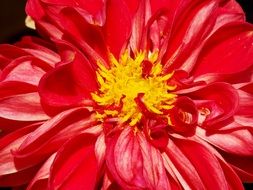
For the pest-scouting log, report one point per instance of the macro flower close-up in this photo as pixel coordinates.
(128, 94)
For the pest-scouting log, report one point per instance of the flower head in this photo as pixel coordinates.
(129, 95)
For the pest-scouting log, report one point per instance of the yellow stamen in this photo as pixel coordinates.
(123, 82)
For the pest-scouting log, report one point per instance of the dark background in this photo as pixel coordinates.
(12, 16)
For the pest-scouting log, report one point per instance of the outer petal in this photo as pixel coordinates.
(93, 9)
(245, 105)
(237, 141)
(134, 163)
(193, 21)
(242, 165)
(187, 44)
(50, 136)
(239, 38)
(40, 181)
(24, 107)
(8, 53)
(40, 49)
(75, 165)
(10, 174)
(234, 181)
(25, 69)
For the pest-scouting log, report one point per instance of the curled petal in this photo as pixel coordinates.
(216, 107)
(156, 133)
(77, 80)
(184, 116)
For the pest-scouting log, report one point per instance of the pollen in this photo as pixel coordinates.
(121, 84)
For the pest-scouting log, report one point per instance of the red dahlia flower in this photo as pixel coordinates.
(140, 95)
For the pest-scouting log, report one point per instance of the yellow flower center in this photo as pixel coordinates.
(124, 81)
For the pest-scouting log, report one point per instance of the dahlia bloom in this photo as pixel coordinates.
(129, 95)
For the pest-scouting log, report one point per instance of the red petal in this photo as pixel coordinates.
(117, 26)
(24, 107)
(139, 21)
(50, 136)
(10, 52)
(39, 49)
(238, 37)
(245, 104)
(35, 9)
(242, 165)
(40, 181)
(70, 20)
(75, 165)
(68, 85)
(190, 162)
(25, 69)
(221, 105)
(93, 7)
(12, 88)
(10, 174)
(237, 141)
(193, 21)
(134, 163)
(184, 116)
(233, 180)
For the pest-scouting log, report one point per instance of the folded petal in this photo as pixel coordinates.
(77, 78)
(216, 107)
